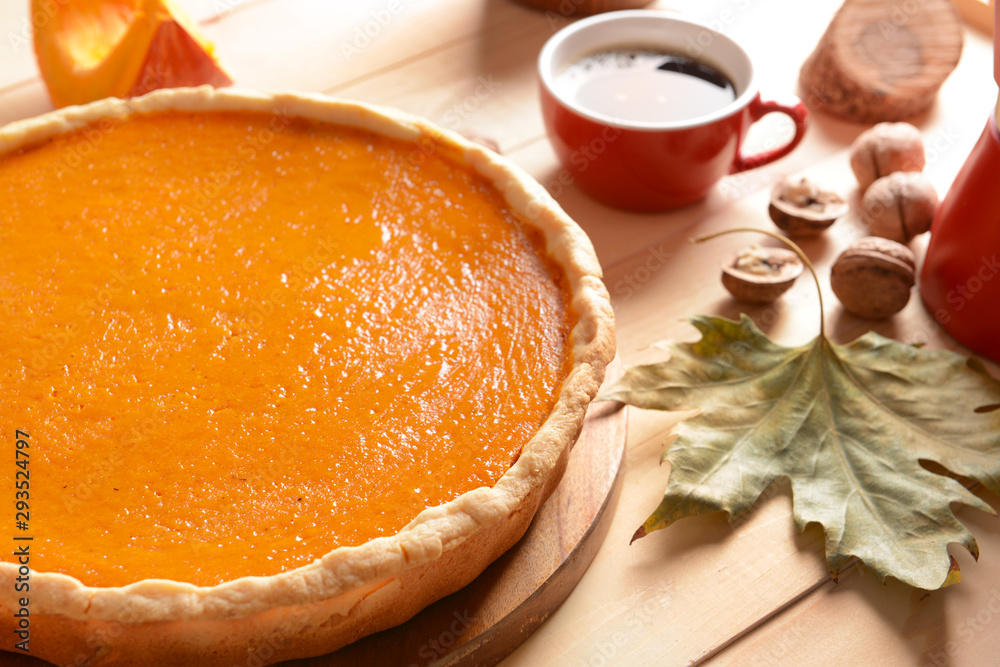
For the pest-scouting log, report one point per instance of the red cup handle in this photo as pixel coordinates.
(758, 109)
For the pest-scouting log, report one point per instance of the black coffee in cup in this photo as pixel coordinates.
(645, 85)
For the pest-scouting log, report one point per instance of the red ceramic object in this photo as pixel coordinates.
(644, 166)
(960, 278)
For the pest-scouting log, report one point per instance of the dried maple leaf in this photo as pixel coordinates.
(848, 425)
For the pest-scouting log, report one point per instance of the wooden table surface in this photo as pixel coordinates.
(702, 591)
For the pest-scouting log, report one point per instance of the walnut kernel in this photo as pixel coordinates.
(761, 275)
(802, 210)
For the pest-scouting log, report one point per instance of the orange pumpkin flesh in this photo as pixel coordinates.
(92, 49)
(236, 357)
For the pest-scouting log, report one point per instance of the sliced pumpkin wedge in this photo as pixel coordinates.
(91, 49)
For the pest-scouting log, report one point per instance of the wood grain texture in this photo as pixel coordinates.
(883, 60)
(702, 591)
(891, 624)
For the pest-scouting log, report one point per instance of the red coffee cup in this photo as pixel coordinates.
(650, 165)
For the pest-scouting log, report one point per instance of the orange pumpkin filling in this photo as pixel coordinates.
(241, 340)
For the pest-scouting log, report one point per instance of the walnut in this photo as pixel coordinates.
(884, 149)
(761, 275)
(899, 206)
(873, 277)
(802, 210)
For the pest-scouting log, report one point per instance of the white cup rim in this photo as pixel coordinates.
(747, 89)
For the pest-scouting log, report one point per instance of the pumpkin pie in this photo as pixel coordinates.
(285, 369)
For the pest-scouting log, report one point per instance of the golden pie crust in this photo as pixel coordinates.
(349, 592)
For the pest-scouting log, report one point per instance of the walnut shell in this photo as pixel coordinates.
(802, 210)
(899, 206)
(761, 275)
(884, 149)
(873, 278)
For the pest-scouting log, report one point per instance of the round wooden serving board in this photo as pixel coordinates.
(483, 622)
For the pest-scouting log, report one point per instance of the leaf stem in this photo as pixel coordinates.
(791, 244)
